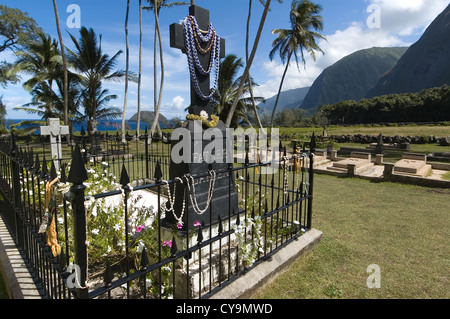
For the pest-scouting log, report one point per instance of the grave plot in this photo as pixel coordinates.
(361, 161)
(412, 164)
(320, 158)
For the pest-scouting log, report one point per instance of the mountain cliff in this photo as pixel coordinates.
(289, 99)
(148, 116)
(351, 77)
(426, 64)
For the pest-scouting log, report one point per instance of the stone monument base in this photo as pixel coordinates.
(207, 266)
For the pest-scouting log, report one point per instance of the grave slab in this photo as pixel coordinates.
(361, 161)
(412, 164)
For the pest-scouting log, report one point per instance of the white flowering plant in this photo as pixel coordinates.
(106, 216)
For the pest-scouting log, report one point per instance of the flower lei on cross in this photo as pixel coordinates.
(204, 118)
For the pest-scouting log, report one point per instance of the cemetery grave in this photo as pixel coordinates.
(413, 164)
(173, 229)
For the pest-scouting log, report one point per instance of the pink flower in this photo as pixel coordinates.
(140, 228)
(167, 243)
(197, 223)
(179, 225)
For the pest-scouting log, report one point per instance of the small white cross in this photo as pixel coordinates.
(55, 130)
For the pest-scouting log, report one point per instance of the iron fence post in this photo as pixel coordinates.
(15, 172)
(312, 150)
(77, 176)
(147, 159)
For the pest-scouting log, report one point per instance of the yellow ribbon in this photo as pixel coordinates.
(52, 238)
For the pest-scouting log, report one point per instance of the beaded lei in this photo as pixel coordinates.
(194, 37)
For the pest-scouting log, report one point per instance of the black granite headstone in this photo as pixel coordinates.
(208, 167)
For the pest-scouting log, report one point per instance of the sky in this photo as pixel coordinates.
(349, 26)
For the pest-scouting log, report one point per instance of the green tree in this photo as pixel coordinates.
(17, 28)
(2, 116)
(47, 102)
(40, 60)
(94, 67)
(228, 90)
(7, 74)
(304, 18)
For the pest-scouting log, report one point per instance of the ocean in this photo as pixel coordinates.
(112, 125)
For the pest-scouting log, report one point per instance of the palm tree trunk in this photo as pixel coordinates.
(248, 65)
(140, 72)
(279, 89)
(255, 110)
(126, 73)
(66, 77)
(155, 124)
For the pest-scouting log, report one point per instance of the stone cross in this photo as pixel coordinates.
(177, 40)
(55, 130)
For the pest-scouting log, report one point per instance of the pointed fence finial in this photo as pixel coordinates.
(13, 146)
(124, 178)
(312, 144)
(53, 174)
(220, 226)
(37, 164)
(63, 178)
(199, 235)
(78, 173)
(173, 248)
(144, 260)
(62, 261)
(44, 170)
(108, 275)
(158, 172)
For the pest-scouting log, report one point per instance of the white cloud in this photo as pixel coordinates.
(178, 102)
(399, 18)
(174, 108)
(407, 17)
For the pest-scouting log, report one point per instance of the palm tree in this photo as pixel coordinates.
(66, 76)
(126, 72)
(102, 110)
(49, 102)
(40, 60)
(249, 61)
(156, 6)
(227, 91)
(304, 16)
(94, 67)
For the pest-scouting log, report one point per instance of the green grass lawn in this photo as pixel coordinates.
(401, 228)
(405, 130)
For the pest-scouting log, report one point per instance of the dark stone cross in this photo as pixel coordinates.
(177, 40)
(224, 201)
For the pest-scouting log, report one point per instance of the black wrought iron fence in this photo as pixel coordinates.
(89, 230)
